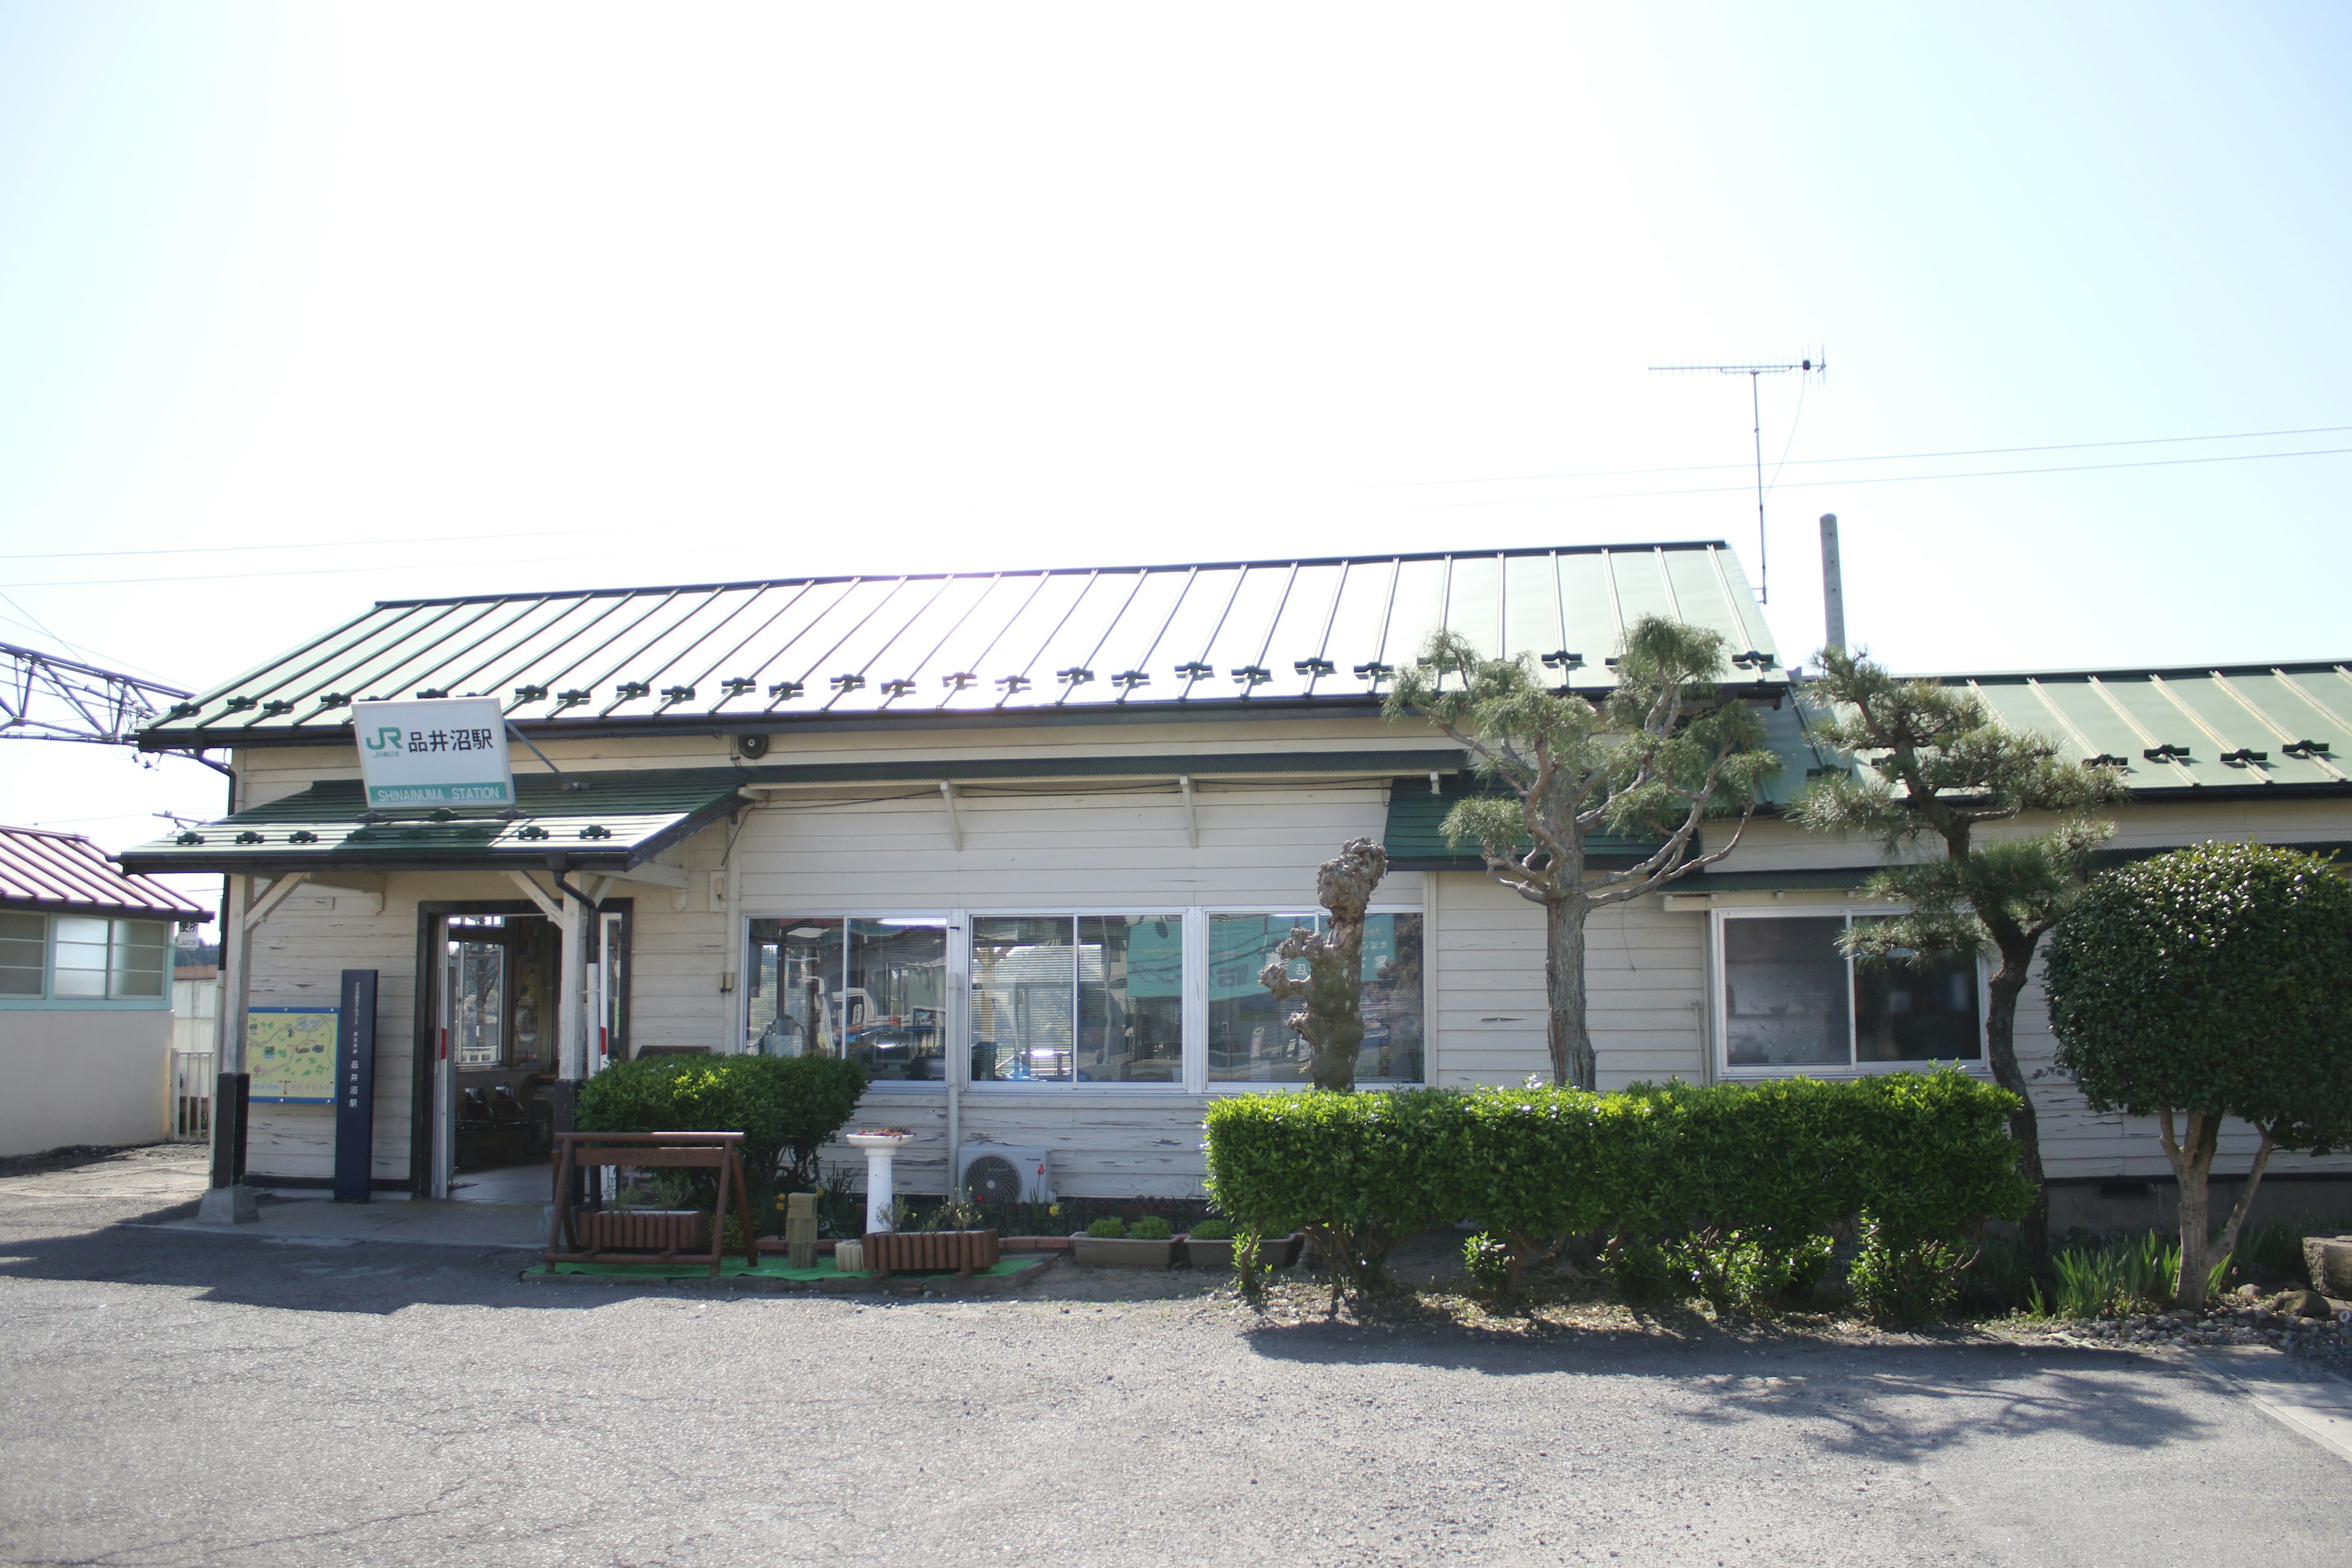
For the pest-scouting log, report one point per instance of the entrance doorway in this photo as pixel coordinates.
(497, 982)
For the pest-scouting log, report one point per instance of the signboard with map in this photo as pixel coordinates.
(290, 1052)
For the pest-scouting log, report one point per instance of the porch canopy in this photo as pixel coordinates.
(604, 824)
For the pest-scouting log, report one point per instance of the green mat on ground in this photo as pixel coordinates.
(770, 1266)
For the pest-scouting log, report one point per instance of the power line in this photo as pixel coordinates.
(1883, 457)
(1433, 505)
(1786, 461)
(1894, 478)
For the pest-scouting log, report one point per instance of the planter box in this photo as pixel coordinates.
(1122, 1252)
(664, 1231)
(1272, 1252)
(965, 1251)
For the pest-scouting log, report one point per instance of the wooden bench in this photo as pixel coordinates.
(638, 1236)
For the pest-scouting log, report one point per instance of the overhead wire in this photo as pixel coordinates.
(413, 566)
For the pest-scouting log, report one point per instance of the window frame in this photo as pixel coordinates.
(1192, 1081)
(1315, 911)
(959, 943)
(1718, 1003)
(48, 1001)
(957, 982)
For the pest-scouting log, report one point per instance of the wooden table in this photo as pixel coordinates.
(721, 1151)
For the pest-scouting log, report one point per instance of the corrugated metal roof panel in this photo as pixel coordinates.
(40, 869)
(761, 652)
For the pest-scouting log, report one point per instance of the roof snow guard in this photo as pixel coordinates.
(2271, 727)
(617, 823)
(1301, 635)
(44, 870)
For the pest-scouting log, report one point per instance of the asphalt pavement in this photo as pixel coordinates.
(170, 1397)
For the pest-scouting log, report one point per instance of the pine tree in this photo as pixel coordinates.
(1935, 763)
(1663, 752)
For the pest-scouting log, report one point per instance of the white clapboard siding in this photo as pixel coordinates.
(1258, 847)
(299, 955)
(1644, 988)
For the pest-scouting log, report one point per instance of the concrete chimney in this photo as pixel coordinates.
(1832, 584)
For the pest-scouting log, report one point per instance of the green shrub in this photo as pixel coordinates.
(1487, 1262)
(1110, 1227)
(1357, 1171)
(1151, 1228)
(1213, 1230)
(1904, 1284)
(1732, 1190)
(787, 1108)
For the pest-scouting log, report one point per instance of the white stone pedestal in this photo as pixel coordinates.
(880, 1147)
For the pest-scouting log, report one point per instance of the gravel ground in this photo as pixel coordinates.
(167, 1398)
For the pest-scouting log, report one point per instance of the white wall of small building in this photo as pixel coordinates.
(81, 1075)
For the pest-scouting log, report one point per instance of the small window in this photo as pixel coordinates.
(1249, 1040)
(1791, 999)
(24, 943)
(872, 991)
(1073, 999)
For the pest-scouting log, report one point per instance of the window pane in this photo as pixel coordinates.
(794, 978)
(80, 956)
(1132, 999)
(138, 966)
(22, 938)
(1785, 993)
(478, 995)
(1393, 999)
(1024, 970)
(894, 1017)
(1917, 1010)
(1248, 1041)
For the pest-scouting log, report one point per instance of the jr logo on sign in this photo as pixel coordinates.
(385, 739)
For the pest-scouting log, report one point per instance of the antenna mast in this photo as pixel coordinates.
(1755, 374)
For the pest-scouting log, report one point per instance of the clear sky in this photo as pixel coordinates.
(306, 305)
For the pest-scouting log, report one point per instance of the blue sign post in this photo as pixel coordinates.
(355, 1088)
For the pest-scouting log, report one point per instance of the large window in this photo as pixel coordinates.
(1072, 999)
(83, 958)
(1250, 1043)
(1791, 1000)
(873, 991)
(1054, 1000)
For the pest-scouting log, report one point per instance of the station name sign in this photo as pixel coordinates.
(443, 751)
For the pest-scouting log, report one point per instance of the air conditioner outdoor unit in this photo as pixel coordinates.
(1002, 1173)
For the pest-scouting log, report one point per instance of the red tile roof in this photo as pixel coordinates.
(45, 870)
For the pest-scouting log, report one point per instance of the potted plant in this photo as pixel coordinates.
(648, 1220)
(1210, 1245)
(950, 1236)
(1112, 1243)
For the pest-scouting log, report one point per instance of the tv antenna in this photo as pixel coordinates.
(1755, 375)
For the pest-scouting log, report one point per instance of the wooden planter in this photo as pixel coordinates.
(1122, 1252)
(967, 1252)
(664, 1231)
(1272, 1252)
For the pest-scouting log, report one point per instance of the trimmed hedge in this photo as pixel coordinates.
(787, 1108)
(1739, 1182)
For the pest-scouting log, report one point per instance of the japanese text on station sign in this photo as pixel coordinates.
(446, 750)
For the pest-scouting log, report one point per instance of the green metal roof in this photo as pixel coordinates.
(1289, 636)
(620, 820)
(2279, 728)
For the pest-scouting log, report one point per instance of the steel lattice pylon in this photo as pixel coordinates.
(44, 698)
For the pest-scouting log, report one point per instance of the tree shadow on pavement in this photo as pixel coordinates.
(1891, 1401)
